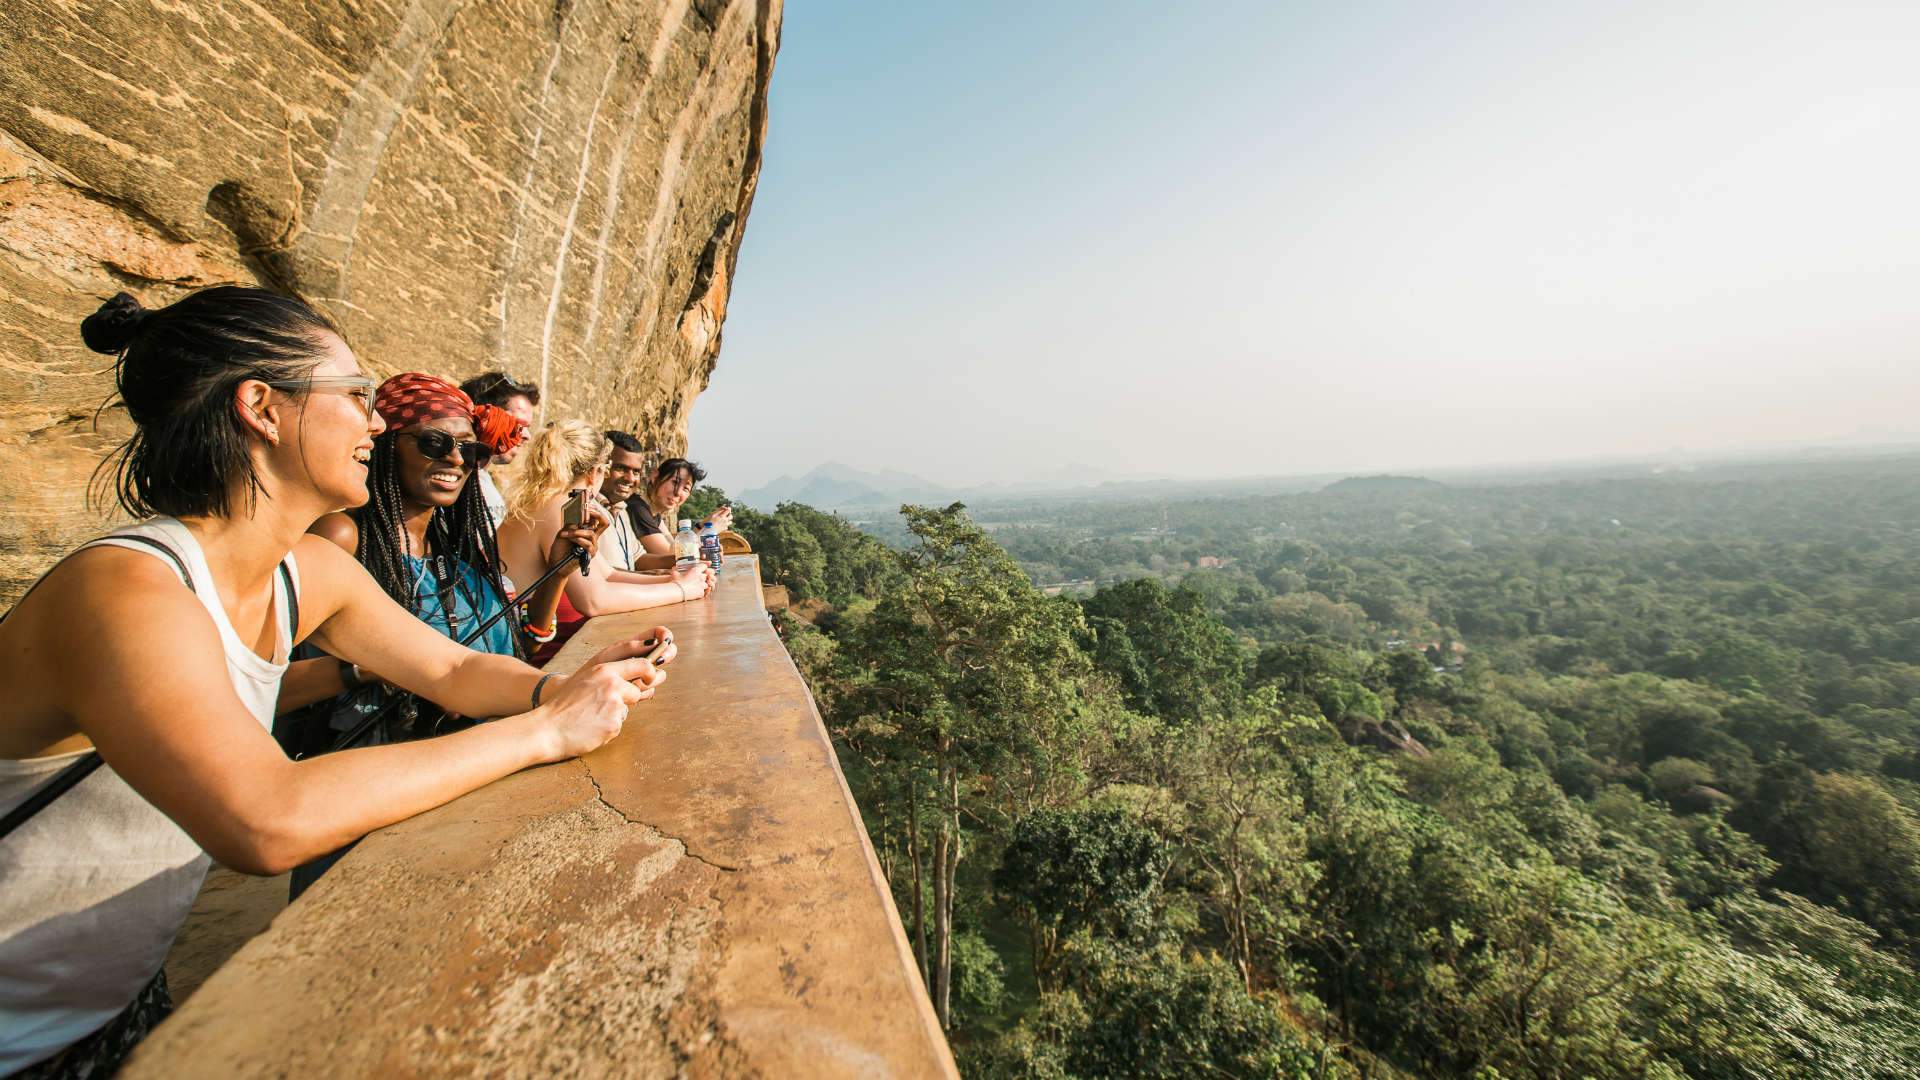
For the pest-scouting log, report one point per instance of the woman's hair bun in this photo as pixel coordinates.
(112, 328)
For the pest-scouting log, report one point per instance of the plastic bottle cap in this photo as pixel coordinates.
(686, 523)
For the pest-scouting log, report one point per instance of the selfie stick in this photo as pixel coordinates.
(580, 555)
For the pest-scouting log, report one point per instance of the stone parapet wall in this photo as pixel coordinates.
(696, 898)
(556, 187)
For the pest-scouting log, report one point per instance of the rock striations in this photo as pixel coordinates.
(556, 187)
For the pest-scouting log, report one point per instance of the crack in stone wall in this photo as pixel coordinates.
(601, 795)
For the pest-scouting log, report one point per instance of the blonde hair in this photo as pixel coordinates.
(552, 461)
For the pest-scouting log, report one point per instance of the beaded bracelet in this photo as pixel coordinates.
(541, 634)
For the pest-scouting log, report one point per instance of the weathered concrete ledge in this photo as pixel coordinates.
(697, 897)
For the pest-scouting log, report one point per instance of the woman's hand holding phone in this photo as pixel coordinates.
(591, 705)
(570, 537)
(600, 513)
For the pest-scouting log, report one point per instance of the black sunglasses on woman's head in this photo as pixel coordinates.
(436, 444)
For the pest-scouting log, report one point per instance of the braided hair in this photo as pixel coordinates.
(463, 531)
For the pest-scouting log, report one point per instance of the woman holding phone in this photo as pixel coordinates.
(562, 468)
(160, 648)
(426, 535)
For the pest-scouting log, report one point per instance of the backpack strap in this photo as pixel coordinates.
(172, 556)
(66, 779)
(62, 782)
(293, 604)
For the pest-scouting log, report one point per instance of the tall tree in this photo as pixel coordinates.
(962, 671)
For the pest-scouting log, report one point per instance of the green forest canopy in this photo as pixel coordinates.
(1595, 778)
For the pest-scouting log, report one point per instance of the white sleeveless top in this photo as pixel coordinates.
(94, 887)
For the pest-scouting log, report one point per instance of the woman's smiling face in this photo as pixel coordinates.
(333, 438)
(434, 481)
(670, 491)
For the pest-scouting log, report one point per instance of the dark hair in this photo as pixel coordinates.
(625, 442)
(176, 373)
(463, 531)
(498, 388)
(675, 464)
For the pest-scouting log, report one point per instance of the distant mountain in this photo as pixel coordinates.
(842, 487)
(834, 486)
(1383, 484)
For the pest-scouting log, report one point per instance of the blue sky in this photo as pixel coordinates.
(1258, 238)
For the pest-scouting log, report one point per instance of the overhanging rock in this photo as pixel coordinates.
(556, 187)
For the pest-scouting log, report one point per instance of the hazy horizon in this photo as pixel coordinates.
(1248, 241)
(1781, 453)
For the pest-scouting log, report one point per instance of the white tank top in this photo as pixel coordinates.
(94, 887)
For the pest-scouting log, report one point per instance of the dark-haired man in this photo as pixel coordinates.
(518, 399)
(625, 474)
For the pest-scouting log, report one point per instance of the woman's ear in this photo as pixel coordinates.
(259, 410)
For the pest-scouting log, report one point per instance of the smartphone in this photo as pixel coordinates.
(658, 647)
(575, 509)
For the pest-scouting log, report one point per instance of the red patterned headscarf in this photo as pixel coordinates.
(414, 397)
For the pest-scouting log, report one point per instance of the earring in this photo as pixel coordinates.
(273, 435)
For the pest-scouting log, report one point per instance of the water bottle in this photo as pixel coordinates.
(710, 546)
(686, 547)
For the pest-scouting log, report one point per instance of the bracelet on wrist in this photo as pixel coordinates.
(539, 686)
(541, 634)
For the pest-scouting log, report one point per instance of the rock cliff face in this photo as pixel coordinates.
(555, 187)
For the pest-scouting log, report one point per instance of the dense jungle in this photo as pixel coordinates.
(1592, 777)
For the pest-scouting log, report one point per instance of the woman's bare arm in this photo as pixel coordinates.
(161, 710)
(599, 593)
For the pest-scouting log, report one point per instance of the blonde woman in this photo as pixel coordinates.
(563, 458)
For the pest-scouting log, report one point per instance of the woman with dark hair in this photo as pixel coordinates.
(422, 499)
(159, 650)
(424, 533)
(425, 536)
(653, 512)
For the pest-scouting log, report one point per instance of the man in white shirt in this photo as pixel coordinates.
(518, 399)
(625, 475)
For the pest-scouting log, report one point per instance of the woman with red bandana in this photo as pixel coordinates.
(427, 539)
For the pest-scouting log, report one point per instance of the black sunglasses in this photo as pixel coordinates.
(436, 444)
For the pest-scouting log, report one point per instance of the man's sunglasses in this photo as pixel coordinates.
(437, 444)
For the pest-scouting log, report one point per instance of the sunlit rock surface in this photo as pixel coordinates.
(557, 187)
